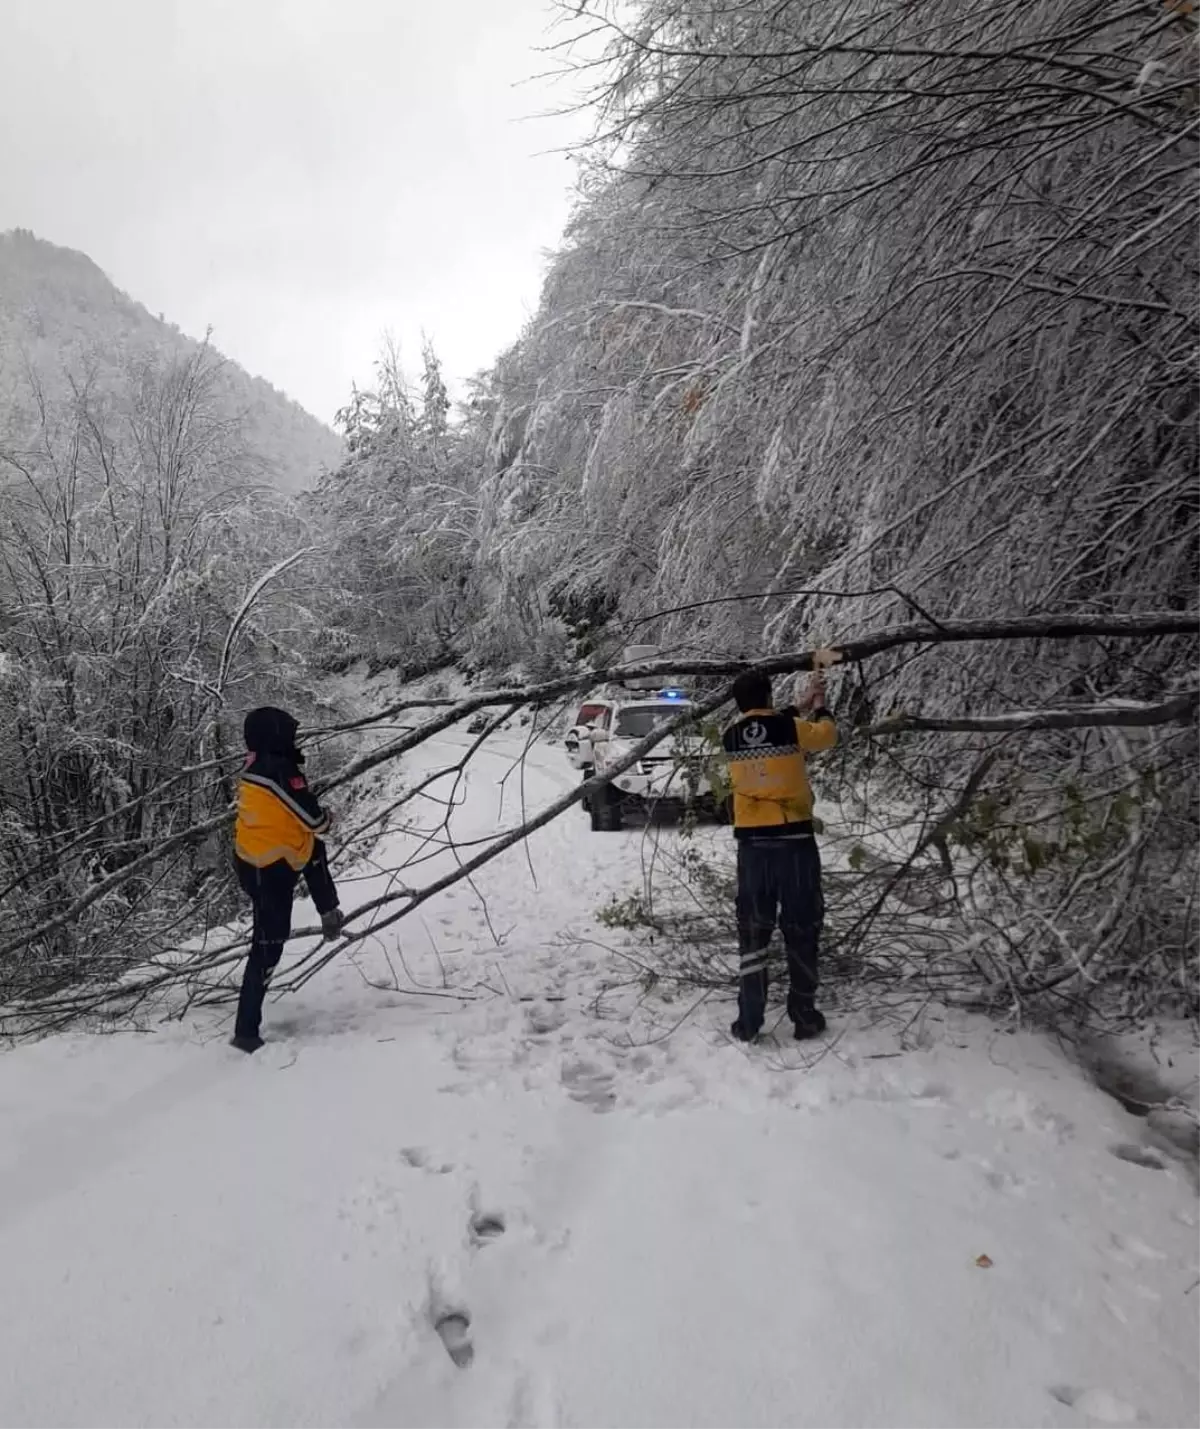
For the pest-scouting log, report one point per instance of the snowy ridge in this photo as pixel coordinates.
(527, 1204)
(59, 312)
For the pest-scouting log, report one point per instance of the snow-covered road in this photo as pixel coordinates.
(685, 1232)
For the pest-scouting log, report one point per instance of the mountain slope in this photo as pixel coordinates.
(61, 317)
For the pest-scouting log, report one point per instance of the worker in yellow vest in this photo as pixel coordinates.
(276, 839)
(778, 865)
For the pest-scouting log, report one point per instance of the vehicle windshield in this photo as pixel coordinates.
(641, 720)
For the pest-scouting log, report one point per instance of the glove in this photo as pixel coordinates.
(331, 923)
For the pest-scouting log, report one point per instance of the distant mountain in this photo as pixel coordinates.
(60, 315)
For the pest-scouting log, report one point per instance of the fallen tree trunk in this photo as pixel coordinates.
(1142, 626)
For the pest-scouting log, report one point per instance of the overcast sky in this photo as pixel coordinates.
(300, 174)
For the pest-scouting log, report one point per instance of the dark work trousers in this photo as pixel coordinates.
(271, 890)
(778, 881)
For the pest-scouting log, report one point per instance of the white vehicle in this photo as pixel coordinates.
(607, 727)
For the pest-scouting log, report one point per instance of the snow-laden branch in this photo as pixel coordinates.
(114, 880)
(1145, 626)
(1130, 714)
(1038, 627)
(243, 610)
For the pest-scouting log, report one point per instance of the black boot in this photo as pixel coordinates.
(246, 1044)
(809, 1023)
(742, 1032)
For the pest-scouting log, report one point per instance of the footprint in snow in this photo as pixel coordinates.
(486, 1226)
(1006, 1182)
(1138, 1156)
(451, 1321)
(418, 1158)
(1016, 1111)
(930, 1094)
(454, 1330)
(1096, 1404)
(589, 1084)
(543, 1018)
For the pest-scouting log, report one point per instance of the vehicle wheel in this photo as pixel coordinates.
(606, 810)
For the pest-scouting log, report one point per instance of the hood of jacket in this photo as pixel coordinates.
(269, 730)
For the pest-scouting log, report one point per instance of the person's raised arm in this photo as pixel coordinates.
(815, 726)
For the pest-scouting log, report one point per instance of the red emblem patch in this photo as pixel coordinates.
(297, 782)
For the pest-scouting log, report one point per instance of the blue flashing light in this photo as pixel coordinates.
(672, 694)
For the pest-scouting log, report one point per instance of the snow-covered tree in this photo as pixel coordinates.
(400, 516)
(131, 523)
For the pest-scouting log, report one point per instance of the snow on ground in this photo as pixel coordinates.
(631, 1231)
